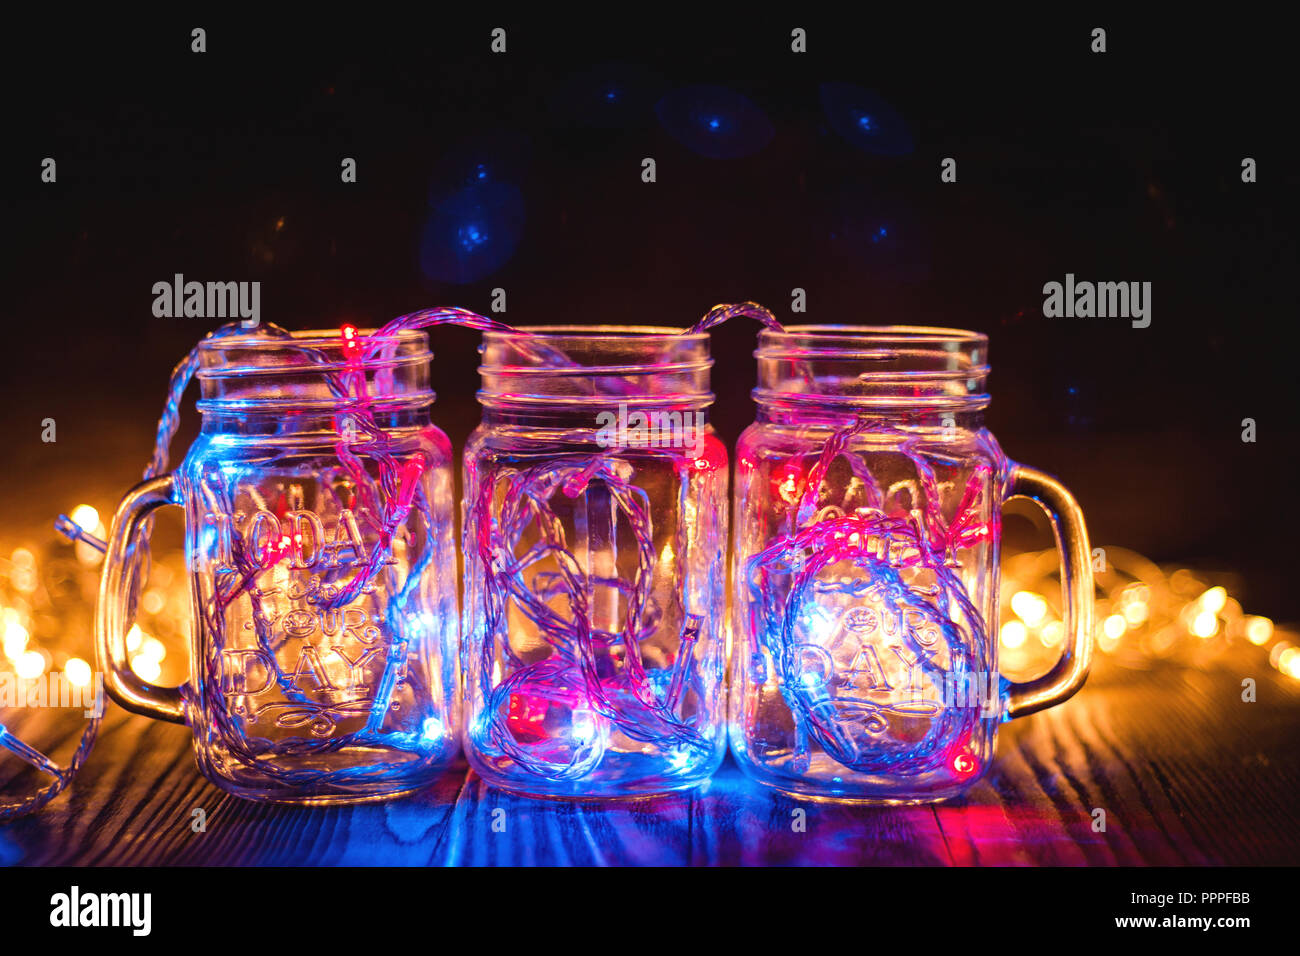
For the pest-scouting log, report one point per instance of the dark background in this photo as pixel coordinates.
(1122, 166)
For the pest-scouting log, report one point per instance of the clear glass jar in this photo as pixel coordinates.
(595, 517)
(319, 537)
(865, 605)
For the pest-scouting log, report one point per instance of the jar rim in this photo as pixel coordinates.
(876, 334)
(884, 367)
(305, 338)
(597, 332)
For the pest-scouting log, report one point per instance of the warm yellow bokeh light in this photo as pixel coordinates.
(1114, 627)
(15, 639)
(1138, 593)
(153, 649)
(153, 601)
(134, 638)
(1205, 624)
(1213, 600)
(146, 667)
(1053, 634)
(30, 665)
(1258, 630)
(85, 517)
(1031, 607)
(77, 672)
(1135, 612)
(1288, 662)
(1013, 634)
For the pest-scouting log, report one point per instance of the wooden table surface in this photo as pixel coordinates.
(1186, 772)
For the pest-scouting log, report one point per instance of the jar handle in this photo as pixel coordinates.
(111, 616)
(1069, 673)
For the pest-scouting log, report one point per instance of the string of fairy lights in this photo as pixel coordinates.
(31, 664)
(47, 592)
(1144, 613)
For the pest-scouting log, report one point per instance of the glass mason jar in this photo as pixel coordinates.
(320, 546)
(865, 612)
(595, 517)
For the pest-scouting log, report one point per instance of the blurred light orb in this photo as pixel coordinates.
(1214, 599)
(1030, 607)
(153, 601)
(1114, 626)
(1205, 624)
(85, 517)
(1258, 630)
(1288, 662)
(865, 120)
(15, 639)
(608, 96)
(715, 122)
(30, 665)
(146, 667)
(153, 649)
(471, 237)
(1013, 634)
(472, 233)
(495, 156)
(1135, 612)
(77, 672)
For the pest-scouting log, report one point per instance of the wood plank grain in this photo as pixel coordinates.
(738, 822)
(1186, 772)
(134, 805)
(492, 827)
(1162, 752)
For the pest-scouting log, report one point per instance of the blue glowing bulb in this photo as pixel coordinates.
(713, 122)
(864, 123)
(480, 172)
(583, 728)
(432, 729)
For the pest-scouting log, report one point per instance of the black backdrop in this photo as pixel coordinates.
(1122, 166)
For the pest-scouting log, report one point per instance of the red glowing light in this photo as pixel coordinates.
(787, 481)
(964, 764)
(276, 550)
(712, 457)
(527, 717)
(350, 341)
